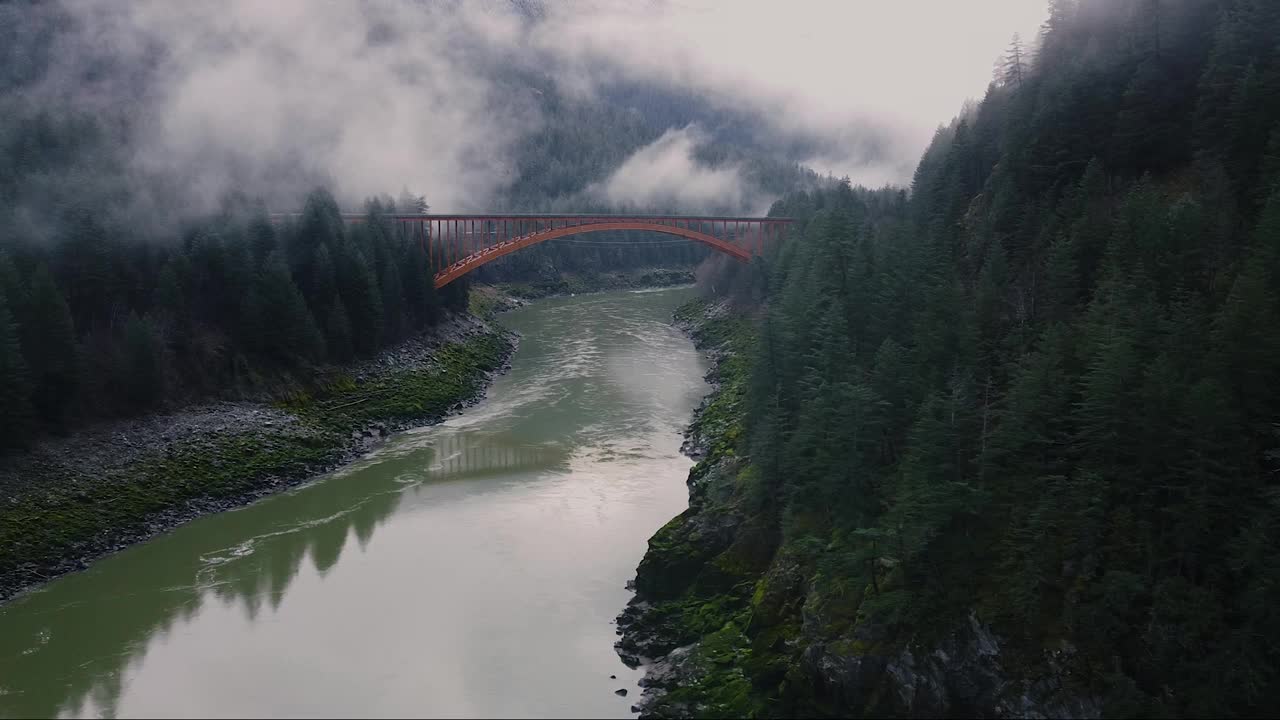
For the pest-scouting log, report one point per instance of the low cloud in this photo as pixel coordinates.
(864, 83)
(667, 175)
(272, 98)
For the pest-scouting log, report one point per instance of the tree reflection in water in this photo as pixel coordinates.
(78, 659)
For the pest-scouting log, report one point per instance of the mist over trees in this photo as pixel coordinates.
(125, 293)
(1038, 385)
(1042, 387)
(101, 326)
(147, 114)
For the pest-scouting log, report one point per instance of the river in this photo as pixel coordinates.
(472, 568)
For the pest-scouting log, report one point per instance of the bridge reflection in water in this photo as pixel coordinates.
(521, 459)
(464, 454)
(245, 559)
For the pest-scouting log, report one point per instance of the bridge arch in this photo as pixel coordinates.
(457, 244)
(488, 254)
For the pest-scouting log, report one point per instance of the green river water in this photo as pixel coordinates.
(472, 568)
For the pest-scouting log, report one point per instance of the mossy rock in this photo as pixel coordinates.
(677, 553)
(714, 683)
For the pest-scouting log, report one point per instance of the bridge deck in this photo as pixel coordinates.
(603, 217)
(457, 244)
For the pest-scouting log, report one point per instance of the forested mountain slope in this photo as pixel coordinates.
(1012, 445)
(119, 297)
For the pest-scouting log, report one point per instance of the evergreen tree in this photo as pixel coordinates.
(144, 374)
(324, 281)
(1247, 335)
(421, 302)
(49, 346)
(338, 332)
(1269, 174)
(10, 285)
(393, 324)
(1012, 68)
(363, 300)
(170, 302)
(15, 385)
(285, 332)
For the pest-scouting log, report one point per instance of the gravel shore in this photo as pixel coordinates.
(60, 480)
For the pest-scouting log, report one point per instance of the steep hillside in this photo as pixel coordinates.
(135, 276)
(1010, 446)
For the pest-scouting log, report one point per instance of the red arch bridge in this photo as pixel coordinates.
(458, 244)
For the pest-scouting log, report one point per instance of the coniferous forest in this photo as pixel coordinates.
(102, 326)
(110, 310)
(1032, 400)
(1040, 388)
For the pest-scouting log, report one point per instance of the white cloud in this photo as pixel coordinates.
(260, 96)
(665, 174)
(839, 69)
(270, 97)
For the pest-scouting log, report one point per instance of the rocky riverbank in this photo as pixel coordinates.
(733, 617)
(668, 626)
(68, 501)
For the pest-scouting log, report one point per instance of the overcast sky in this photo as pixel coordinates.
(381, 95)
(831, 65)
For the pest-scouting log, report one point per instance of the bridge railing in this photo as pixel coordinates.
(458, 243)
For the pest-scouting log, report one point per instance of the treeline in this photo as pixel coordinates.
(583, 141)
(150, 319)
(1045, 386)
(97, 324)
